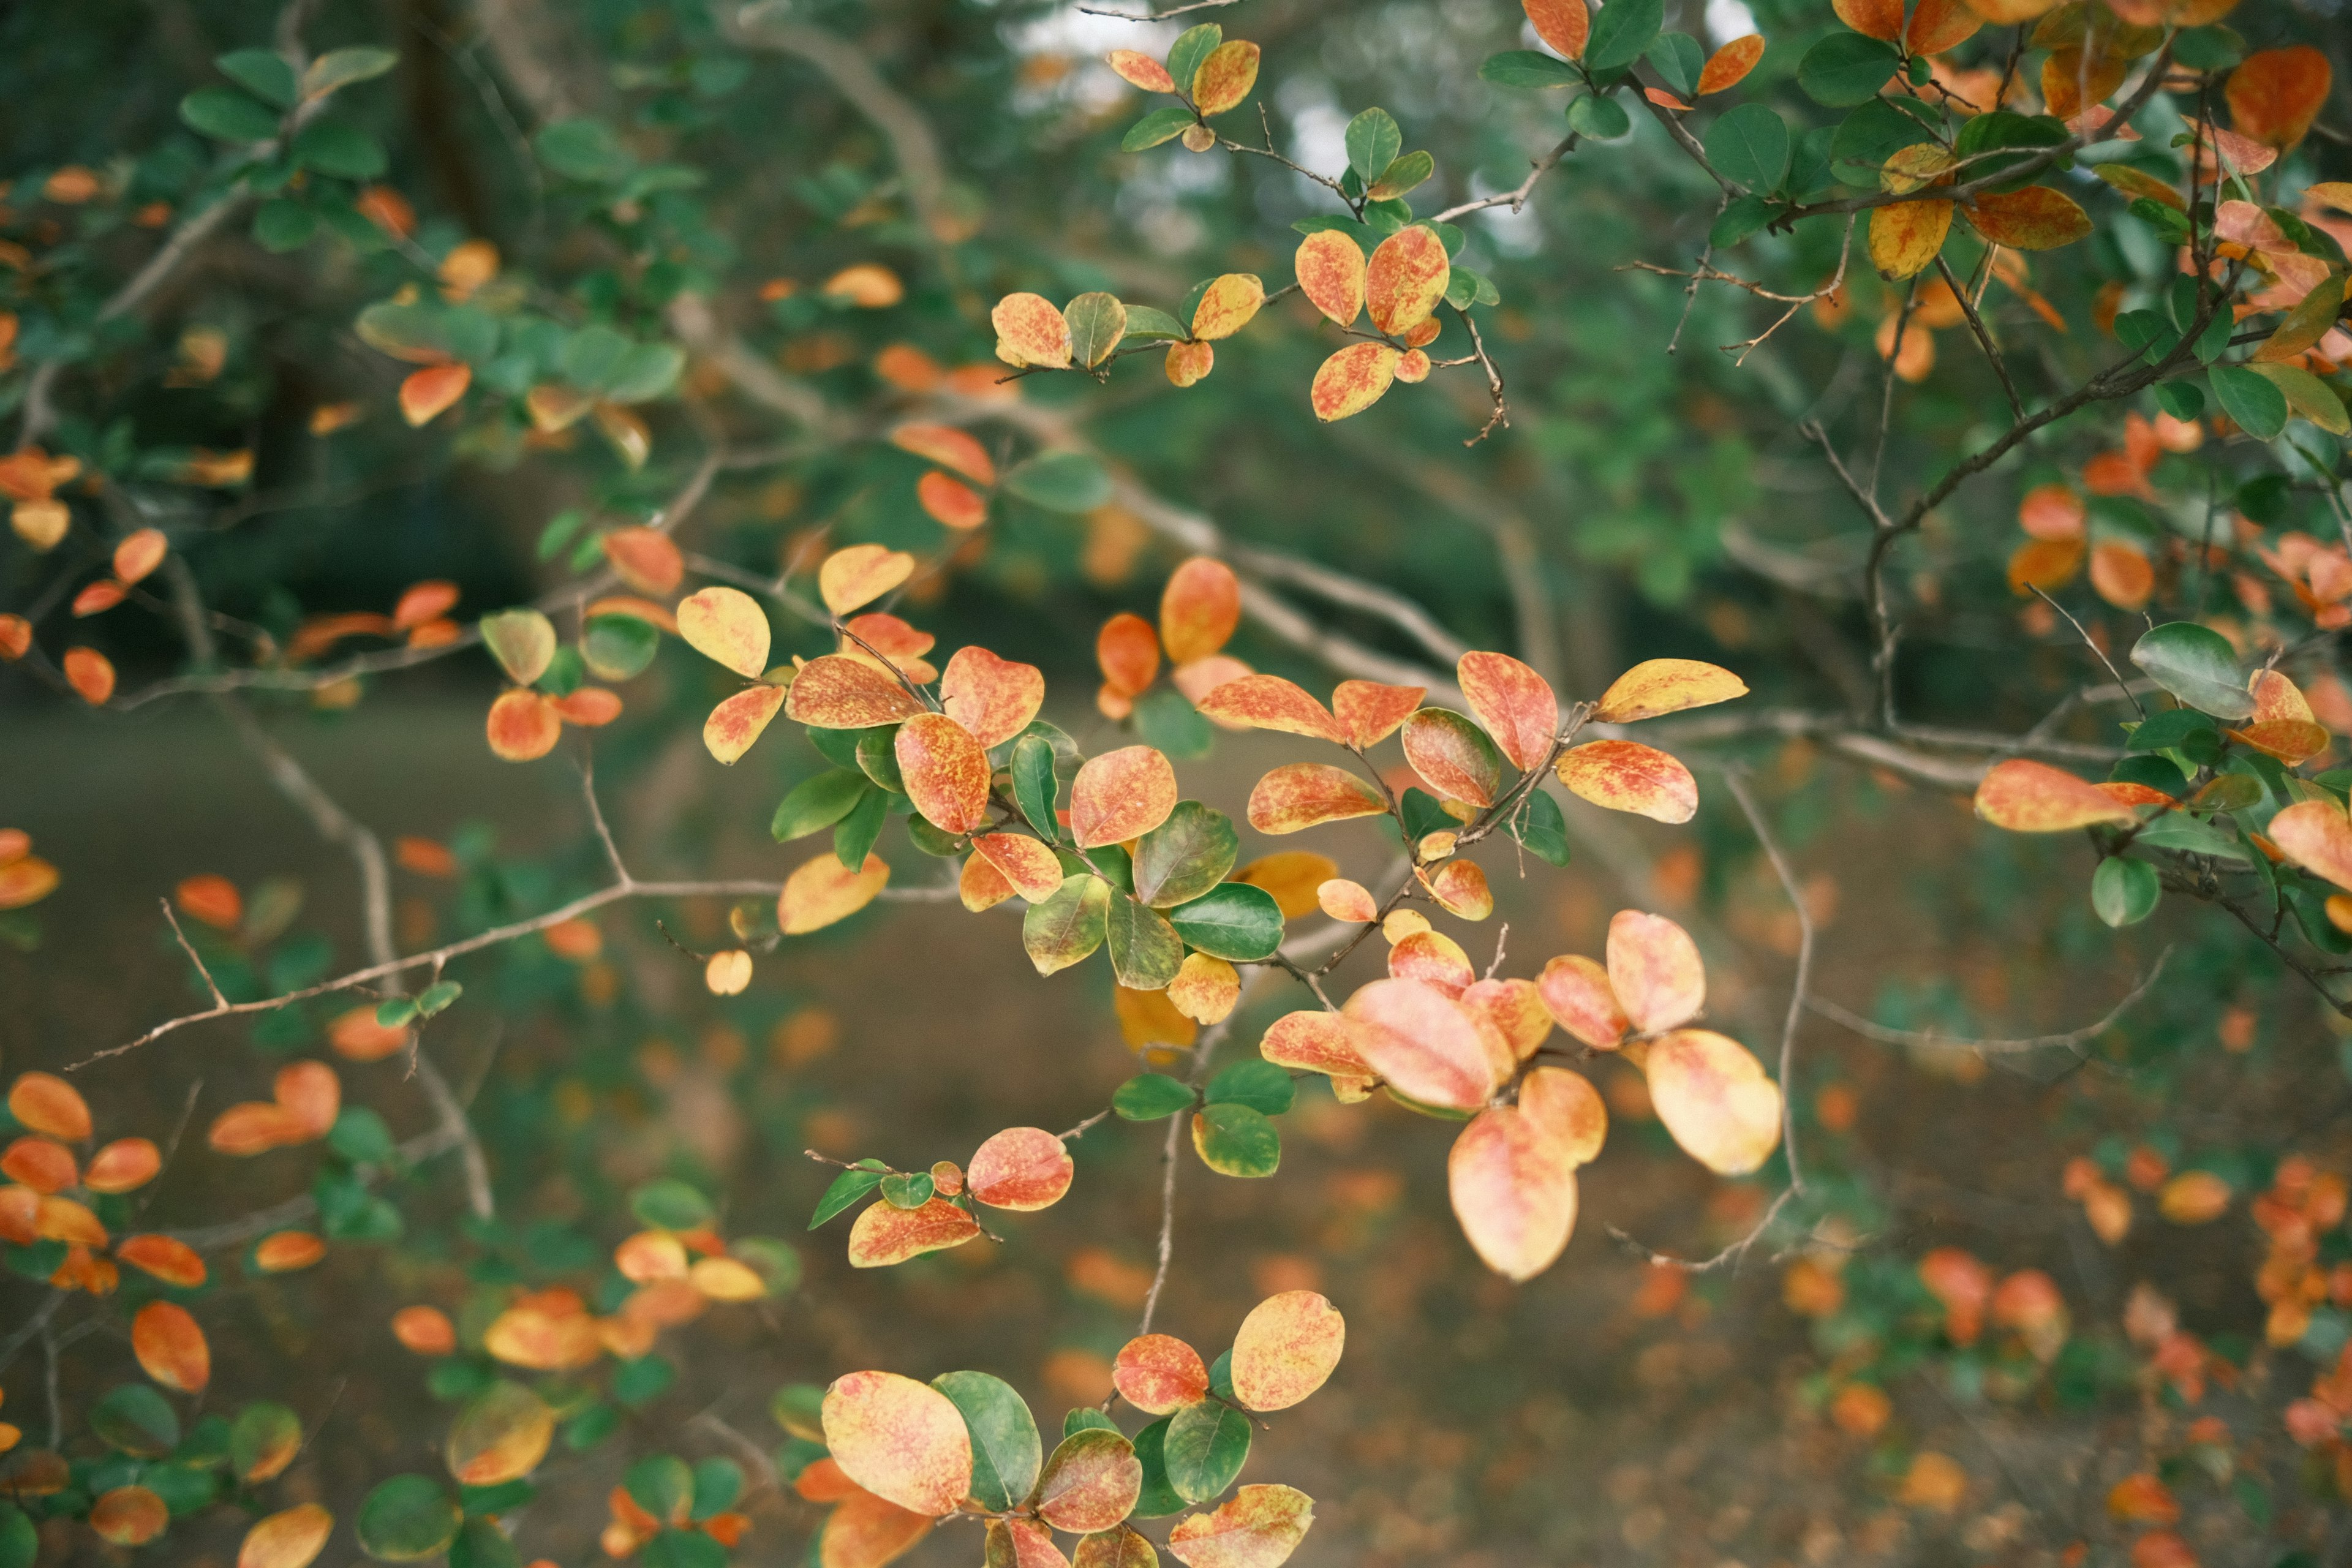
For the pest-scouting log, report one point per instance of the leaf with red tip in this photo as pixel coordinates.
(1418, 1040)
(1565, 25)
(171, 1348)
(433, 390)
(1452, 757)
(1624, 775)
(735, 724)
(2027, 796)
(1515, 704)
(1021, 1168)
(1139, 69)
(1121, 794)
(1305, 794)
(1127, 649)
(1658, 685)
(1159, 1374)
(823, 890)
(945, 770)
(1286, 1349)
(1270, 703)
(993, 698)
(1198, 609)
(727, 626)
(1514, 1191)
(1405, 278)
(948, 447)
(860, 575)
(904, 1441)
(1331, 269)
(523, 725)
(1654, 971)
(1031, 332)
(1576, 991)
(1714, 1099)
(1371, 711)
(1568, 1108)
(835, 692)
(1027, 867)
(1352, 380)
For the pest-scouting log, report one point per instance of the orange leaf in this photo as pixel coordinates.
(1270, 703)
(1714, 1099)
(122, 1166)
(1227, 305)
(523, 725)
(2044, 563)
(292, 1539)
(171, 1348)
(1159, 1374)
(1139, 69)
(1291, 876)
(1658, 685)
(2052, 512)
(427, 1331)
(1025, 865)
(419, 601)
(254, 1127)
(139, 554)
(948, 502)
(1405, 278)
(1198, 609)
(885, 1235)
(129, 1516)
(26, 880)
(1197, 679)
(1515, 704)
(1287, 1349)
(1031, 332)
(865, 1532)
(1568, 1108)
(1021, 1168)
(645, 558)
(310, 1094)
(823, 890)
(500, 1435)
(834, 692)
(1434, 959)
(1328, 1043)
(1188, 363)
(212, 899)
(1372, 711)
(2122, 575)
(1935, 24)
(2316, 835)
(15, 637)
(433, 390)
(1654, 971)
(1331, 269)
(41, 1164)
(1577, 992)
(1515, 1011)
(1451, 757)
(1417, 1039)
(173, 1261)
(1345, 900)
(993, 698)
(1352, 380)
(1121, 794)
(1304, 794)
(1906, 237)
(590, 707)
(945, 772)
(45, 1103)
(62, 1219)
(727, 626)
(1225, 77)
(1128, 652)
(1513, 1192)
(1563, 23)
(1459, 888)
(1729, 64)
(2035, 218)
(2026, 796)
(948, 447)
(861, 574)
(90, 674)
(901, 1440)
(2275, 94)
(737, 723)
(1626, 776)
(287, 1250)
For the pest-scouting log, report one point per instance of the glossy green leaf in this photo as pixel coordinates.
(1067, 928)
(1205, 1447)
(1193, 45)
(1034, 786)
(226, 113)
(1373, 141)
(818, 803)
(1599, 117)
(1160, 1497)
(1149, 1096)
(2196, 664)
(407, 1519)
(1005, 1448)
(848, 1188)
(264, 73)
(1621, 31)
(1144, 950)
(1185, 856)
(136, 1419)
(1845, 69)
(1749, 145)
(907, 1192)
(1538, 825)
(1529, 69)
(2124, 892)
(1260, 1084)
(1060, 482)
(1162, 124)
(853, 835)
(1232, 920)
(1236, 1140)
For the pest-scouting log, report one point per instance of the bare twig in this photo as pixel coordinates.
(2069, 1039)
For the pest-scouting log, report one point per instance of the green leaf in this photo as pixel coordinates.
(2015, 137)
(584, 150)
(2124, 892)
(480, 1542)
(1845, 69)
(616, 648)
(846, 1189)
(342, 67)
(1162, 124)
(1528, 68)
(1871, 134)
(1401, 176)
(1035, 787)
(667, 1204)
(1005, 1448)
(1149, 1096)
(591, 356)
(1060, 482)
(2181, 399)
(1260, 1084)
(1097, 321)
(1206, 1445)
(661, 1484)
(877, 759)
(904, 1192)
(1232, 920)
(1622, 33)
(1679, 59)
(1749, 146)
(1193, 45)
(1086, 1418)
(854, 835)
(1144, 950)
(361, 1136)
(717, 1482)
(1539, 826)
(344, 151)
(2197, 664)
(1185, 856)
(1599, 117)
(438, 997)
(137, 1420)
(407, 1519)
(1236, 1141)
(818, 803)
(2309, 396)
(20, 1544)
(683, 1549)
(261, 72)
(263, 1434)
(2179, 831)
(281, 226)
(1159, 1497)
(229, 115)
(1166, 719)
(1143, 322)
(1373, 141)
(1067, 928)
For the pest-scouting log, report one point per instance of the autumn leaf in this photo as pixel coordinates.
(901, 1440)
(1260, 1527)
(1227, 305)
(646, 559)
(1198, 609)
(858, 576)
(1319, 1041)
(836, 692)
(1714, 1099)
(1576, 993)
(1304, 794)
(1624, 775)
(1286, 1349)
(1121, 794)
(1021, 1168)
(1404, 280)
(1372, 711)
(2317, 836)
(1565, 25)
(738, 722)
(166, 1258)
(1417, 1040)
(1127, 650)
(1031, 332)
(1514, 1191)
(1139, 69)
(1514, 1009)
(1270, 703)
(290, 1539)
(45, 1103)
(1730, 64)
(1452, 757)
(950, 502)
(2275, 94)
(2027, 796)
(1352, 380)
(1515, 705)
(1225, 77)
(948, 447)
(728, 627)
(1565, 1107)
(171, 1348)
(1658, 685)
(433, 390)
(500, 1435)
(1906, 236)
(1654, 972)
(1935, 26)
(945, 772)
(867, 1532)
(1434, 959)
(1026, 866)
(91, 674)
(823, 891)
(1329, 266)
(993, 698)
(2035, 218)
